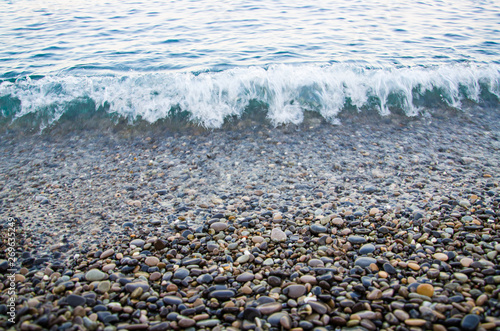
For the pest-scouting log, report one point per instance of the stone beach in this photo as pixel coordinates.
(373, 225)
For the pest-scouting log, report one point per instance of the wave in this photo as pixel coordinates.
(283, 92)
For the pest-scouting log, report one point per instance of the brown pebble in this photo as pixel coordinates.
(414, 266)
(425, 289)
(186, 322)
(172, 288)
(107, 253)
(151, 261)
(441, 257)
(415, 322)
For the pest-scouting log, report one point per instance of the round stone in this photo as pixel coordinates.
(181, 273)
(425, 289)
(295, 291)
(104, 286)
(75, 300)
(364, 261)
(466, 262)
(219, 226)
(413, 266)
(107, 253)
(415, 322)
(152, 261)
(278, 235)
(245, 277)
(356, 239)
(95, 275)
(137, 242)
(172, 300)
(470, 322)
(317, 229)
(269, 308)
(441, 257)
(366, 249)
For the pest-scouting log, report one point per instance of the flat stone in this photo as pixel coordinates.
(223, 295)
(415, 322)
(137, 242)
(356, 239)
(425, 289)
(466, 262)
(317, 229)
(278, 235)
(275, 318)
(95, 275)
(152, 261)
(337, 221)
(131, 287)
(75, 300)
(367, 249)
(374, 295)
(243, 259)
(295, 291)
(413, 266)
(319, 307)
(208, 323)
(104, 286)
(269, 308)
(186, 322)
(470, 322)
(107, 253)
(364, 261)
(181, 273)
(219, 226)
(245, 277)
(316, 263)
(172, 300)
(308, 279)
(257, 239)
(441, 257)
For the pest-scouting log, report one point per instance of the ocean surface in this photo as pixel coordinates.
(210, 61)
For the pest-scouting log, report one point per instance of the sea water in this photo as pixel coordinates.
(214, 60)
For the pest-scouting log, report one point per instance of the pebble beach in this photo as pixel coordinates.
(372, 225)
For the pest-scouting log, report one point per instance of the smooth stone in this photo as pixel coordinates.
(181, 273)
(275, 318)
(425, 289)
(137, 242)
(222, 294)
(95, 275)
(318, 307)
(295, 291)
(278, 235)
(367, 249)
(172, 300)
(308, 279)
(316, 263)
(269, 308)
(131, 287)
(152, 261)
(243, 259)
(186, 322)
(413, 266)
(75, 300)
(219, 226)
(245, 277)
(470, 322)
(415, 322)
(356, 239)
(317, 229)
(104, 286)
(107, 253)
(257, 239)
(441, 257)
(364, 261)
(337, 221)
(466, 262)
(389, 268)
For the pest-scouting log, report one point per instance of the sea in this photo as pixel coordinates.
(207, 63)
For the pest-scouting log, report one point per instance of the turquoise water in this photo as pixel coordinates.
(212, 59)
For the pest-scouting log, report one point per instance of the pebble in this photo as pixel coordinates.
(219, 226)
(152, 261)
(470, 322)
(278, 235)
(441, 257)
(367, 249)
(94, 275)
(75, 300)
(356, 239)
(365, 261)
(295, 291)
(425, 289)
(245, 277)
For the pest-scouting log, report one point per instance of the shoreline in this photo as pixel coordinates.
(383, 225)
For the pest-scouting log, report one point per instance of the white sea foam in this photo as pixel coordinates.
(286, 91)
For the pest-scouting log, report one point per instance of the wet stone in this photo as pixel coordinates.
(75, 300)
(172, 300)
(317, 229)
(181, 273)
(364, 261)
(269, 308)
(470, 322)
(295, 291)
(366, 249)
(222, 294)
(356, 239)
